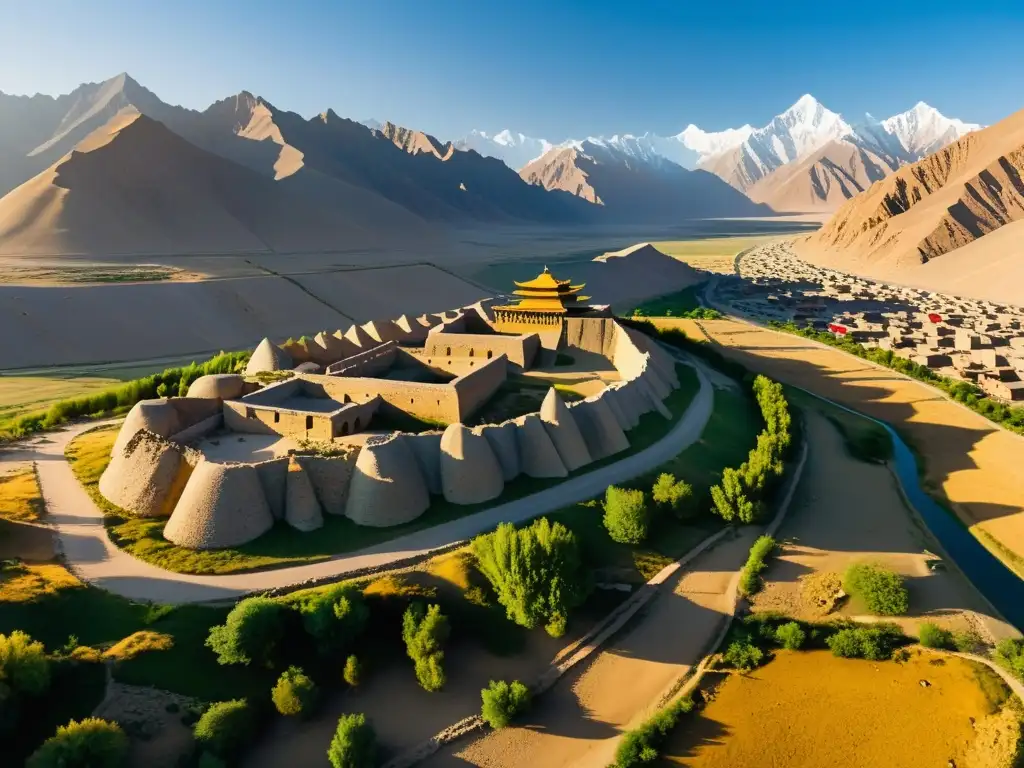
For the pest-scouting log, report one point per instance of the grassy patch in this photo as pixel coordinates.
(865, 440)
(685, 304)
(20, 498)
(285, 546)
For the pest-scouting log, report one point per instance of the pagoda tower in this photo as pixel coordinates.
(545, 301)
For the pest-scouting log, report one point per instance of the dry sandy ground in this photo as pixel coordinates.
(848, 511)
(863, 714)
(978, 467)
(402, 713)
(576, 723)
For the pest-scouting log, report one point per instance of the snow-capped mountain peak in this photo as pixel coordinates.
(922, 129)
(514, 149)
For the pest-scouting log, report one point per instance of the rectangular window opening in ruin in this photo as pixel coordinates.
(309, 423)
(277, 417)
(250, 413)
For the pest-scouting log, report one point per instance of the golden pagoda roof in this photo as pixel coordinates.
(546, 282)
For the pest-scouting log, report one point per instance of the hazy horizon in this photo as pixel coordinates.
(553, 72)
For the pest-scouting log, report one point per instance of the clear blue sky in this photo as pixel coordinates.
(550, 68)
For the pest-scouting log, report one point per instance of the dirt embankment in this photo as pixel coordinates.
(977, 466)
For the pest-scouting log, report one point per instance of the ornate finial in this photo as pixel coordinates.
(546, 270)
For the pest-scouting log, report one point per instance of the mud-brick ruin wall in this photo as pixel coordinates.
(428, 401)
(372, 362)
(477, 387)
(274, 420)
(520, 350)
(197, 417)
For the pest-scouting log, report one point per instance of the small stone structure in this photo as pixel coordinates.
(439, 368)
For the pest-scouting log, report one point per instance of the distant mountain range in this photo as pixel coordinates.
(826, 160)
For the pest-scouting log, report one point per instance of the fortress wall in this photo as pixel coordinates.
(538, 456)
(369, 363)
(300, 351)
(330, 477)
(520, 350)
(654, 380)
(221, 506)
(200, 429)
(273, 420)
(477, 387)
(222, 386)
(433, 402)
(147, 476)
(268, 357)
(413, 330)
(470, 472)
(387, 487)
(564, 433)
(503, 441)
(301, 508)
(451, 322)
(273, 394)
(663, 361)
(273, 476)
(599, 427)
(359, 337)
(157, 415)
(354, 417)
(610, 396)
(330, 348)
(426, 447)
(654, 402)
(592, 334)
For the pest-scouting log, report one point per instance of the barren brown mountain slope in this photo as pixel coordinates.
(930, 208)
(415, 142)
(823, 180)
(135, 187)
(636, 189)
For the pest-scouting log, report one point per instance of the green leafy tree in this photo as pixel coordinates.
(425, 630)
(24, 667)
(251, 633)
(335, 617)
(933, 636)
(353, 672)
(226, 728)
(354, 744)
(882, 590)
(295, 693)
(730, 499)
(743, 654)
(90, 743)
(503, 701)
(1010, 654)
(791, 636)
(536, 572)
(675, 496)
(625, 515)
(873, 643)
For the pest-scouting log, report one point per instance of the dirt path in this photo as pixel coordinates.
(978, 467)
(93, 558)
(847, 511)
(578, 722)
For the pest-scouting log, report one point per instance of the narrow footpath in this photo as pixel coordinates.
(92, 557)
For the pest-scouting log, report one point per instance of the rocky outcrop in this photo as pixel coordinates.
(301, 509)
(387, 486)
(538, 456)
(223, 386)
(222, 506)
(268, 357)
(147, 476)
(564, 433)
(470, 473)
(502, 439)
(599, 427)
(158, 416)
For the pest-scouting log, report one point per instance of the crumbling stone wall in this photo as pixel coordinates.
(520, 350)
(369, 363)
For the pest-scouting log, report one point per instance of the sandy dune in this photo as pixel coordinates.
(978, 467)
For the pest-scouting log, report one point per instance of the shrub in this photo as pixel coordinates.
(24, 667)
(353, 673)
(625, 515)
(295, 693)
(335, 617)
(502, 701)
(743, 654)
(354, 744)
(873, 643)
(967, 641)
(91, 743)
(750, 575)
(226, 728)
(536, 572)
(933, 636)
(425, 630)
(642, 744)
(881, 590)
(790, 636)
(251, 632)
(672, 495)
(1010, 654)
